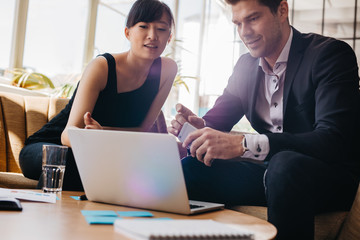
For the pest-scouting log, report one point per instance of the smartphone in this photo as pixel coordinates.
(185, 131)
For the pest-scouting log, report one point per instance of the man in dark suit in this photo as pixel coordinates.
(300, 92)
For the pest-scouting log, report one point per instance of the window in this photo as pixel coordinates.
(207, 42)
(55, 37)
(306, 15)
(339, 19)
(333, 18)
(222, 48)
(109, 36)
(188, 33)
(7, 9)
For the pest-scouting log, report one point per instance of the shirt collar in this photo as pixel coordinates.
(283, 58)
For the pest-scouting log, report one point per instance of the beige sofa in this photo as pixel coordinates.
(20, 116)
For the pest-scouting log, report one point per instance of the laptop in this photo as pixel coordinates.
(134, 169)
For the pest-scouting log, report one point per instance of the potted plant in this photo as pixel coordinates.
(30, 80)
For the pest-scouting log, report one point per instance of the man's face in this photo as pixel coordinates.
(259, 28)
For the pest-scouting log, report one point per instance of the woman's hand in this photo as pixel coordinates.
(184, 115)
(91, 123)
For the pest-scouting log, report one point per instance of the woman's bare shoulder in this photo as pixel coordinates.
(169, 63)
(169, 69)
(98, 63)
(96, 73)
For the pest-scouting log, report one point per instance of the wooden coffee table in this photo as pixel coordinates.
(63, 220)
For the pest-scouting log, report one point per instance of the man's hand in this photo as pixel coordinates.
(91, 123)
(184, 115)
(208, 144)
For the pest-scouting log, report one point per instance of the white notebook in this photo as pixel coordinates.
(178, 229)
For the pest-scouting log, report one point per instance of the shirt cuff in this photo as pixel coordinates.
(258, 145)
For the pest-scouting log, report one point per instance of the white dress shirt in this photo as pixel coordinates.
(269, 104)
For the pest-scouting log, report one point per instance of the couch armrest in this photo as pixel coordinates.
(16, 180)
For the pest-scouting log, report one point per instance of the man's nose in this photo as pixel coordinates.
(245, 31)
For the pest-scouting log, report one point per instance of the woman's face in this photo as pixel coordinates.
(148, 40)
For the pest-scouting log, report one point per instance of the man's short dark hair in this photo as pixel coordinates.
(273, 5)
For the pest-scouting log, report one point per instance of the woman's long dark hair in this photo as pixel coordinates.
(148, 11)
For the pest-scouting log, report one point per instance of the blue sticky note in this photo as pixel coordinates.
(100, 220)
(98, 213)
(135, 214)
(57, 198)
(76, 197)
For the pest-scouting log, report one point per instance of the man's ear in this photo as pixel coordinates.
(127, 32)
(283, 10)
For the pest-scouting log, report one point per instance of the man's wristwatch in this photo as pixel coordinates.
(244, 145)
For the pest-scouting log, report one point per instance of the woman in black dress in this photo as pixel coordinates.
(122, 91)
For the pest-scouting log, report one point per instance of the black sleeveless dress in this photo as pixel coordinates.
(112, 109)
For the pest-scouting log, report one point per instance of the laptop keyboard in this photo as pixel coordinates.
(193, 206)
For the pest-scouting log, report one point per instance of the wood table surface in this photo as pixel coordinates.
(63, 220)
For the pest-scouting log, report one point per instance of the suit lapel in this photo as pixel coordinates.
(295, 58)
(253, 90)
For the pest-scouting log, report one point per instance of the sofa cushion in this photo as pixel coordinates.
(351, 229)
(14, 125)
(55, 106)
(20, 117)
(328, 225)
(36, 109)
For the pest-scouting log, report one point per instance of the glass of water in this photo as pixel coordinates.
(53, 167)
